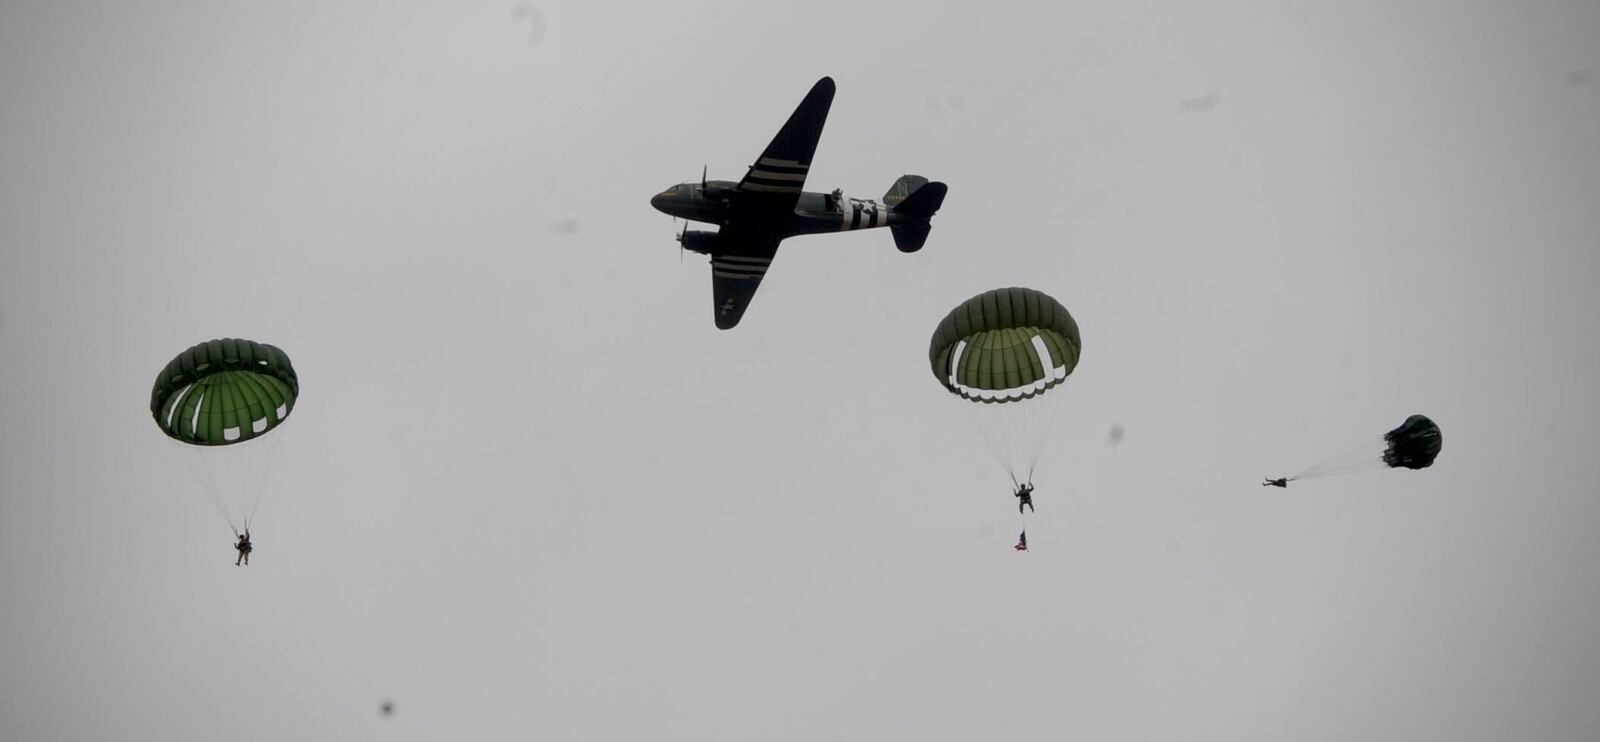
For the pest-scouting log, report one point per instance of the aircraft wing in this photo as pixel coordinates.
(736, 272)
(774, 182)
(762, 204)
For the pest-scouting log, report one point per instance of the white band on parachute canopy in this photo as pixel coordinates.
(1057, 373)
(194, 423)
(176, 402)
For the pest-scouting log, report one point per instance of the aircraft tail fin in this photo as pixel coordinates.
(921, 201)
(905, 186)
(915, 197)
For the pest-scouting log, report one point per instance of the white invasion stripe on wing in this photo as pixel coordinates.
(768, 188)
(772, 175)
(741, 271)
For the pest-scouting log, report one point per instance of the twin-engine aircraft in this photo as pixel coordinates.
(768, 206)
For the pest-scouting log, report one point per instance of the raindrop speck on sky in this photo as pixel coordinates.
(531, 21)
(1202, 103)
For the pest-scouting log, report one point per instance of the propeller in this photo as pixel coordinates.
(681, 236)
(702, 178)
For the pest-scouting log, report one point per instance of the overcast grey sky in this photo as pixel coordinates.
(530, 492)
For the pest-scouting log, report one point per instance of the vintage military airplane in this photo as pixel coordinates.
(768, 206)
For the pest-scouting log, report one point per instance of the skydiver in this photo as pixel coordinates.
(244, 548)
(1279, 482)
(1024, 495)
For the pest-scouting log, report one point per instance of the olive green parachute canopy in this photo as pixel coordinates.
(224, 391)
(1414, 444)
(1004, 345)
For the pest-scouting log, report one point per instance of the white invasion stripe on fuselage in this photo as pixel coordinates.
(744, 259)
(858, 214)
(775, 162)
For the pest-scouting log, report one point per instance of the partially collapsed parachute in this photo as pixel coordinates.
(222, 399)
(1413, 445)
(1002, 354)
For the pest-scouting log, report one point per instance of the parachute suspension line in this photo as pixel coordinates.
(1014, 432)
(990, 437)
(1363, 457)
(233, 476)
(199, 465)
(1053, 408)
(259, 464)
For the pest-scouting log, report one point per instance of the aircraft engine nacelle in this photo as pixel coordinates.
(698, 241)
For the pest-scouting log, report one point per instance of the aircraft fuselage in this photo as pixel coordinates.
(814, 213)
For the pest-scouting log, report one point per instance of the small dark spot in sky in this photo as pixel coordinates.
(1202, 103)
(387, 708)
(1579, 77)
(531, 21)
(957, 103)
(1115, 435)
(567, 226)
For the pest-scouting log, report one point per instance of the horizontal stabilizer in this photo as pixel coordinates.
(910, 236)
(924, 201)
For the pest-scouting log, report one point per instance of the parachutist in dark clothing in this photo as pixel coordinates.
(1024, 495)
(244, 548)
(1279, 482)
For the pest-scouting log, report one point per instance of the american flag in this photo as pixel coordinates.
(1022, 541)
